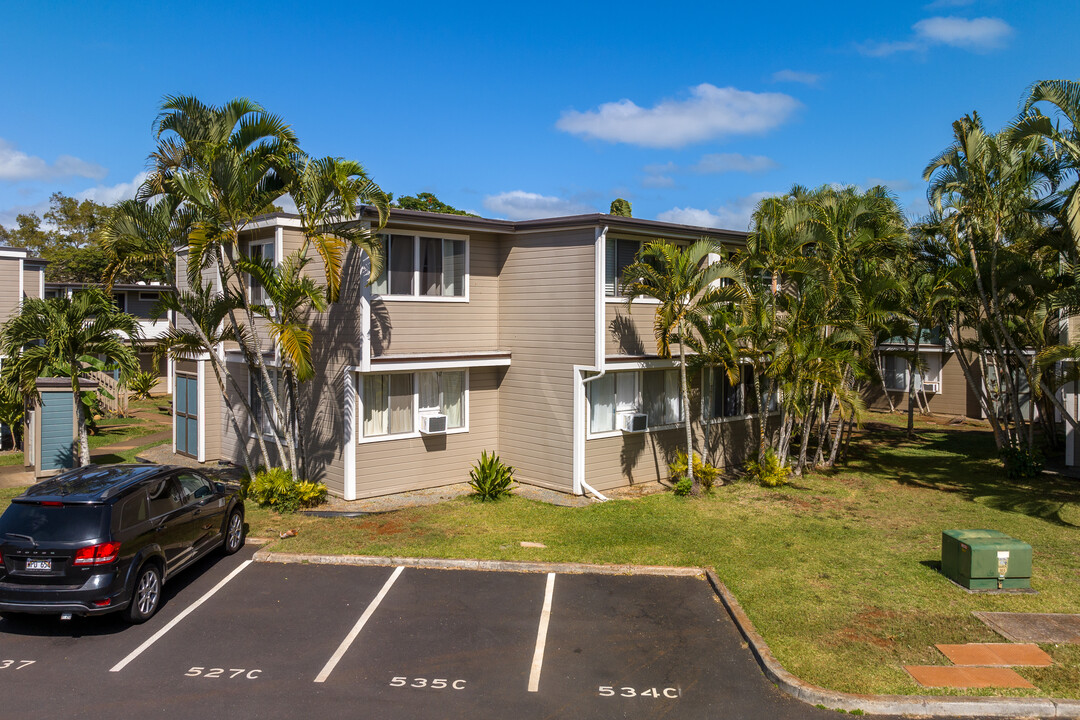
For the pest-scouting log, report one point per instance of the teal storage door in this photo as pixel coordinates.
(56, 431)
(186, 424)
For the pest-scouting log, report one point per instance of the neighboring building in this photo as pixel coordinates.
(137, 299)
(480, 335)
(941, 383)
(21, 276)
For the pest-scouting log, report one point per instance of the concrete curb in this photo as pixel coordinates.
(490, 565)
(926, 705)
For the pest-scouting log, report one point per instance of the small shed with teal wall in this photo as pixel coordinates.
(51, 427)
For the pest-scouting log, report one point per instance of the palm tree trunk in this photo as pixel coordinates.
(807, 424)
(884, 386)
(80, 420)
(911, 382)
(761, 416)
(695, 484)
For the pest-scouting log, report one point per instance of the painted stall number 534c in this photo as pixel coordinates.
(629, 692)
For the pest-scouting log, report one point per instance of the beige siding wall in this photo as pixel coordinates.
(546, 320)
(629, 332)
(139, 308)
(404, 327)
(392, 466)
(213, 414)
(9, 288)
(33, 276)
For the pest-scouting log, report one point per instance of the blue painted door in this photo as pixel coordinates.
(186, 422)
(57, 431)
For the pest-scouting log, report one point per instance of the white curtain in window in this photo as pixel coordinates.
(453, 398)
(429, 391)
(453, 265)
(626, 394)
(673, 395)
(602, 404)
(401, 404)
(376, 416)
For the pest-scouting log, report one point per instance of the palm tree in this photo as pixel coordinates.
(1064, 96)
(293, 298)
(205, 332)
(686, 286)
(227, 164)
(69, 337)
(327, 192)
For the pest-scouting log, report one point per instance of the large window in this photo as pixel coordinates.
(618, 254)
(257, 391)
(259, 252)
(653, 392)
(422, 267)
(733, 399)
(394, 402)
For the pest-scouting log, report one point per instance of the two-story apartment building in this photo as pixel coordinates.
(479, 335)
(21, 276)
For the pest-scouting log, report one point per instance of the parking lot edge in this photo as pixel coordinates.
(927, 705)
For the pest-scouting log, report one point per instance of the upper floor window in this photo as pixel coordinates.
(422, 267)
(260, 251)
(618, 254)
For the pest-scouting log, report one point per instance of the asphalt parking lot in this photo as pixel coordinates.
(242, 639)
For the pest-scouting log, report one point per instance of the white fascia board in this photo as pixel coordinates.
(439, 364)
(615, 364)
(275, 222)
(14, 253)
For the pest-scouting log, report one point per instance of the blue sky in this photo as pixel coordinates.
(692, 111)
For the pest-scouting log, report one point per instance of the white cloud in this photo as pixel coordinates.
(521, 205)
(733, 162)
(734, 216)
(795, 76)
(16, 165)
(658, 181)
(708, 113)
(937, 4)
(109, 194)
(981, 34)
(978, 34)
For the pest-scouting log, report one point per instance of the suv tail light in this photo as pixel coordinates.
(101, 554)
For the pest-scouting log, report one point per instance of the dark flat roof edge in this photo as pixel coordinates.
(118, 286)
(596, 219)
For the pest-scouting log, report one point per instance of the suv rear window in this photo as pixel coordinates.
(46, 523)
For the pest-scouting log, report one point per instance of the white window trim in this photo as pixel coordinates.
(416, 269)
(590, 435)
(358, 381)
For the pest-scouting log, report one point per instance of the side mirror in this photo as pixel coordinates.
(219, 486)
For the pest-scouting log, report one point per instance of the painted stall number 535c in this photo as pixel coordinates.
(434, 683)
(629, 692)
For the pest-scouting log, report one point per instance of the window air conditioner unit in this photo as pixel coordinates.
(433, 424)
(931, 387)
(635, 422)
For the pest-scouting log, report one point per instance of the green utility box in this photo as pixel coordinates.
(985, 560)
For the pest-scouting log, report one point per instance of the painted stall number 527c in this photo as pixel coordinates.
(434, 683)
(629, 692)
(230, 673)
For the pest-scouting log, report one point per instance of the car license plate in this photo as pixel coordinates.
(39, 565)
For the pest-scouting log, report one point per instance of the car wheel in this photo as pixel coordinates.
(234, 533)
(146, 595)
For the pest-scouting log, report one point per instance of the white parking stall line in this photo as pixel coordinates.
(172, 623)
(541, 636)
(344, 646)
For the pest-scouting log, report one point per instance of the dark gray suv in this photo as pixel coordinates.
(105, 538)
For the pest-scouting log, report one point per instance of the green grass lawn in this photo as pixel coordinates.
(838, 572)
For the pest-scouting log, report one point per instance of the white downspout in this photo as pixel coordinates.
(600, 367)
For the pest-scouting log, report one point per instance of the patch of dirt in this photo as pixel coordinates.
(868, 627)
